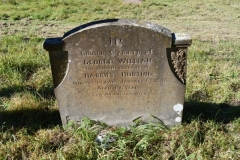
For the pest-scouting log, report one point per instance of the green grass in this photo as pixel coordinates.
(214, 70)
(32, 128)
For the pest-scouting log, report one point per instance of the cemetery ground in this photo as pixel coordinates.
(31, 126)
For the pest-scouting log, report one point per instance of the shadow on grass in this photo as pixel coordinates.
(220, 113)
(33, 119)
(36, 119)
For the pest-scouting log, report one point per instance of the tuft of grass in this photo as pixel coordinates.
(196, 140)
(30, 121)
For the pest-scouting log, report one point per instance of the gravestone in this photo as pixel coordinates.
(117, 71)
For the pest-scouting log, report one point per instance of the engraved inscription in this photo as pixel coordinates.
(99, 75)
(132, 52)
(84, 53)
(132, 81)
(114, 52)
(110, 82)
(135, 94)
(163, 80)
(119, 87)
(134, 61)
(106, 68)
(132, 66)
(95, 82)
(97, 62)
(89, 69)
(136, 74)
(133, 87)
(109, 88)
(119, 94)
(149, 51)
(129, 68)
(116, 41)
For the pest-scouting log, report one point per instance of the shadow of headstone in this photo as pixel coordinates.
(33, 119)
(222, 112)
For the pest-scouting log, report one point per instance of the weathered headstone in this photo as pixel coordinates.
(118, 70)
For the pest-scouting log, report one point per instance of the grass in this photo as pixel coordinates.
(31, 127)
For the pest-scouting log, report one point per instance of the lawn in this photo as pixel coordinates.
(31, 125)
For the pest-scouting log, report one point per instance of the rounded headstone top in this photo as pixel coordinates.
(120, 22)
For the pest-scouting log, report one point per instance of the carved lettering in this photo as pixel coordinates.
(95, 82)
(110, 82)
(118, 87)
(136, 74)
(163, 80)
(89, 75)
(84, 53)
(77, 83)
(92, 82)
(146, 67)
(98, 62)
(149, 51)
(99, 75)
(119, 94)
(136, 52)
(116, 41)
(107, 94)
(131, 81)
(134, 61)
(109, 88)
(126, 64)
(133, 87)
(90, 69)
(105, 75)
(129, 67)
(135, 94)
(106, 68)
